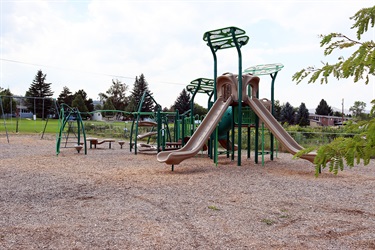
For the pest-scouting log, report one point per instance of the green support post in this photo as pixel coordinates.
(222, 39)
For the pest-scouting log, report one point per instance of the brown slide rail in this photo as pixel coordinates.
(196, 142)
(277, 130)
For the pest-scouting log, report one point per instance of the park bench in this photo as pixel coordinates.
(95, 141)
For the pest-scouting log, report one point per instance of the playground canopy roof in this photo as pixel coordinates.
(222, 38)
(201, 85)
(264, 69)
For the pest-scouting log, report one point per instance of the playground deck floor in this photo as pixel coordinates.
(113, 199)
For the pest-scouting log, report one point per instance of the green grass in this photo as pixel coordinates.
(28, 126)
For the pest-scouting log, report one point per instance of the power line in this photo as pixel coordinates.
(81, 71)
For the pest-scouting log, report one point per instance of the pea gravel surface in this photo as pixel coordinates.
(114, 199)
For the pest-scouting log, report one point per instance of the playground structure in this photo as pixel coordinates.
(66, 116)
(236, 90)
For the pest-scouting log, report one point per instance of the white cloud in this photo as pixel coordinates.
(81, 44)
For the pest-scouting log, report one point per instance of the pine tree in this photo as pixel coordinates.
(65, 96)
(323, 108)
(277, 110)
(182, 103)
(141, 87)
(40, 90)
(302, 117)
(287, 114)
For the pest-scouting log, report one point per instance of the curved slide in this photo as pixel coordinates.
(200, 136)
(277, 130)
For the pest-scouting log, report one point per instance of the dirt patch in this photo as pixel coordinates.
(113, 199)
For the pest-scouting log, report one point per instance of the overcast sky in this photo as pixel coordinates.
(86, 44)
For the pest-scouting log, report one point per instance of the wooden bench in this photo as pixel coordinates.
(95, 141)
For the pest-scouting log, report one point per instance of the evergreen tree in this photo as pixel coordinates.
(65, 96)
(40, 90)
(323, 108)
(277, 110)
(337, 113)
(287, 114)
(302, 117)
(182, 103)
(141, 87)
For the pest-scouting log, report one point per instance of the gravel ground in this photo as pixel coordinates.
(113, 199)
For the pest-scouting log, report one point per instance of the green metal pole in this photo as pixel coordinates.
(192, 107)
(159, 125)
(239, 96)
(215, 142)
(272, 110)
(262, 144)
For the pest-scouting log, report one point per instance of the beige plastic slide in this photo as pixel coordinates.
(277, 130)
(196, 142)
(146, 135)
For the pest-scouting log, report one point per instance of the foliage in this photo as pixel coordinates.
(40, 90)
(65, 96)
(337, 113)
(182, 103)
(302, 117)
(199, 110)
(357, 108)
(116, 94)
(287, 114)
(359, 64)
(277, 110)
(323, 108)
(79, 103)
(348, 150)
(8, 103)
(88, 102)
(139, 88)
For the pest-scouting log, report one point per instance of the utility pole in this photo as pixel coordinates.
(342, 122)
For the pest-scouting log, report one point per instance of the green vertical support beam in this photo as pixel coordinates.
(273, 77)
(272, 70)
(214, 138)
(192, 106)
(224, 38)
(158, 129)
(239, 134)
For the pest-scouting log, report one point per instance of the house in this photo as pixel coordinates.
(326, 120)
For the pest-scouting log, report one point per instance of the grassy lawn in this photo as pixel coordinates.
(97, 128)
(25, 125)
